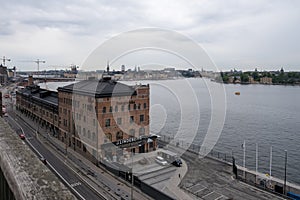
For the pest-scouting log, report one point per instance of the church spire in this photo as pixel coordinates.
(107, 67)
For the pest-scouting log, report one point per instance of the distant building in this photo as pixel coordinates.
(265, 80)
(252, 81)
(3, 74)
(123, 68)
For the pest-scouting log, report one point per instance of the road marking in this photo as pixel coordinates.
(62, 178)
(207, 194)
(75, 184)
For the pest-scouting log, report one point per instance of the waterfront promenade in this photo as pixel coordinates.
(209, 178)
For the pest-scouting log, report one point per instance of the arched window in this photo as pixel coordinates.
(122, 108)
(134, 106)
(131, 132)
(104, 110)
(110, 109)
(108, 137)
(142, 131)
(119, 135)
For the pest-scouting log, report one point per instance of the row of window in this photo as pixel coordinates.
(129, 107)
(119, 134)
(119, 120)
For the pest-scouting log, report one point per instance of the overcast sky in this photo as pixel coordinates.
(242, 34)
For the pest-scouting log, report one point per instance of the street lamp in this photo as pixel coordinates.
(285, 163)
(131, 191)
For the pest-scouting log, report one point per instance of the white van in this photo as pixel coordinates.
(160, 160)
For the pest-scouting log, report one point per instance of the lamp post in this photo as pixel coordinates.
(131, 191)
(285, 165)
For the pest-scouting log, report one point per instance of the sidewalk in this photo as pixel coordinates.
(171, 186)
(98, 177)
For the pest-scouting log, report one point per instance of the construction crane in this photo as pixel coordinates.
(38, 65)
(5, 59)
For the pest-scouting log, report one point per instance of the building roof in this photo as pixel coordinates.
(46, 96)
(99, 88)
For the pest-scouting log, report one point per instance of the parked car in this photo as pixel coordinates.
(177, 162)
(22, 136)
(161, 160)
(43, 160)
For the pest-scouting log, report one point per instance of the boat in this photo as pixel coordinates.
(237, 93)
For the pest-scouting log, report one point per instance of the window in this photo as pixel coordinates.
(128, 106)
(131, 120)
(89, 134)
(139, 106)
(94, 122)
(116, 108)
(84, 133)
(142, 131)
(108, 136)
(141, 118)
(119, 135)
(119, 120)
(84, 118)
(134, 106)
(107, 123)
(145, 105)
(104, 110)
(78, 143)
(122, 108)
(131, 132)
(110, 109)
(93, 136)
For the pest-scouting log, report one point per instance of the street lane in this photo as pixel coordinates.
(71, 178)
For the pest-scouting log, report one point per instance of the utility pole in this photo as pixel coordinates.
(5, 59)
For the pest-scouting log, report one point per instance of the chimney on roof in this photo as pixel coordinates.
(30, 80)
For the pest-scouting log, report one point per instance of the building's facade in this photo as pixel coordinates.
(40, 105)
(266, 80)
(101, 119)
(3, 74)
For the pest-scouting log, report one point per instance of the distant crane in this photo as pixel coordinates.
(38, 61)
(38, 65)
(5, 59)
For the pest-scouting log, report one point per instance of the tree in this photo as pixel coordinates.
(244, 78)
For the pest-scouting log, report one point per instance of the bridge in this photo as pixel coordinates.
(22, 174)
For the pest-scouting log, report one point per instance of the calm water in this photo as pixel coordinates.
(267, 115)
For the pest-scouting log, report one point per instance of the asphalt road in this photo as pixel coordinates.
(81, 189)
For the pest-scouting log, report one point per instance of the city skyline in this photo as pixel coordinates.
(235, 34)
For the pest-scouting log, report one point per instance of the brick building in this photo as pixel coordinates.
(40, 105)
(101, 119)
(3, 74)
